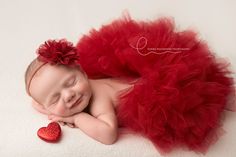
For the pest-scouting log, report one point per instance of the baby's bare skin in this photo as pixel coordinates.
(98, 97)
(102, 108)
(105, 102)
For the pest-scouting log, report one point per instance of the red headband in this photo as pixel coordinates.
(54, 52)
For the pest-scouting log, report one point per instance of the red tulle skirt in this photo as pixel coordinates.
(182, 87)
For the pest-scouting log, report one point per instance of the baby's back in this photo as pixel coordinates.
(111, 88)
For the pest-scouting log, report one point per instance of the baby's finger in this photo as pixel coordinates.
(50, 117)
(55, 118)
(66, 119)
(70, 125)
(62, 123)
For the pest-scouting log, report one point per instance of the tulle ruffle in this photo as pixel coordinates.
(182, 88)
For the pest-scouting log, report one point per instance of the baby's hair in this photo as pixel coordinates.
(29, 71)
(33, 71)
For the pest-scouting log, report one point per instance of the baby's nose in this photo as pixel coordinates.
(69, 99)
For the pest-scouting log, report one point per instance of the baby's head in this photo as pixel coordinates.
(56, 82)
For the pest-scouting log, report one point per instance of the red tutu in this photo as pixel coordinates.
(182, 89)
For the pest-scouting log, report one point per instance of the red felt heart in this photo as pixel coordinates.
(51, 133)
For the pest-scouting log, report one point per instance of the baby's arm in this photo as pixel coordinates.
(102, 128)
(101, 125)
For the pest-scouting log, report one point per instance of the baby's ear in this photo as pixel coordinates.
(39, 107)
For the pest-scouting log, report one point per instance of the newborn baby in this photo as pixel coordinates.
(66, 95)
(174, 93)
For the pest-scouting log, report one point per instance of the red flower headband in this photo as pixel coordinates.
(58, 52)
(55, 52)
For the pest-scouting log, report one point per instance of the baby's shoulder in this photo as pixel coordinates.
(101, 99)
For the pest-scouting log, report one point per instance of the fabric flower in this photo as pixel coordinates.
(58, 52)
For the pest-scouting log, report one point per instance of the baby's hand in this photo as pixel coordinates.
(69, 121)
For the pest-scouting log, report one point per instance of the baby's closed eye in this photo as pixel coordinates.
(69, 83)
(72, 81)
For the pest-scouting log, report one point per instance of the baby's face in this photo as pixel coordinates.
(62, 91)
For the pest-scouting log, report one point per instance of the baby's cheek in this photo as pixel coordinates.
(84, 88)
